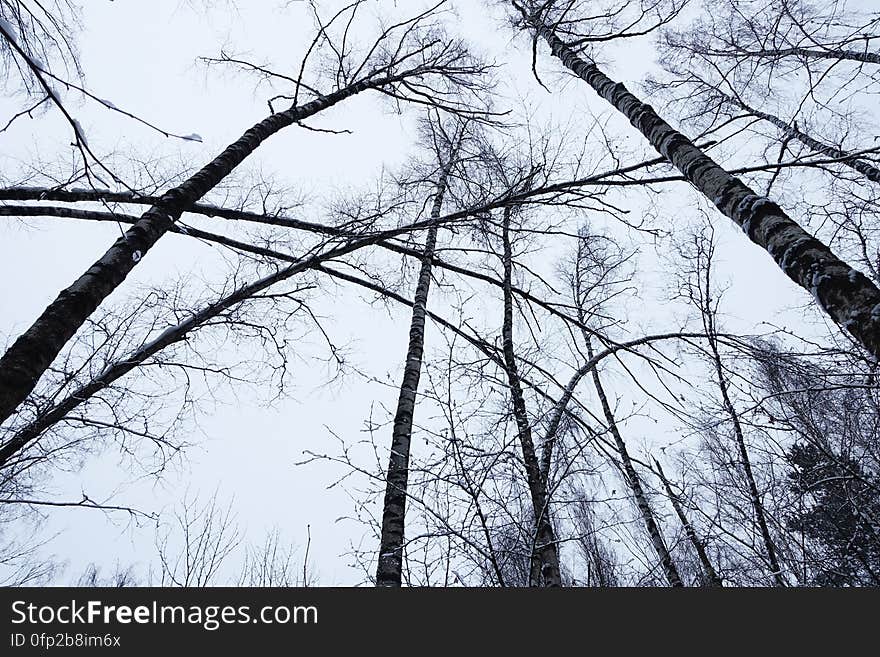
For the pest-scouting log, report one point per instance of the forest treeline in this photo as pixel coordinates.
(560, 281)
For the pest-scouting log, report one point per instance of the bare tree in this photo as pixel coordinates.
(699, 289)
(566, 345)
(193, 548)
(712, 576)
(276, 563)
(401, 56)
(390, 560)
(545, 560)
(847, 295)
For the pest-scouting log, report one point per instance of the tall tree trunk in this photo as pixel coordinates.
(868, 170)
(545, 556)
(390, 567)
(635, 483)
(847, 295)
(754, 495)
(31, 354)
(712, 576)
(865, 56)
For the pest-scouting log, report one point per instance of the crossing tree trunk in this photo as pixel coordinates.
(745, 460)
(840, 54)
(868, 170)
(31, 354)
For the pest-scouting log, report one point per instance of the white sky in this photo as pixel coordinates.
(143, 57)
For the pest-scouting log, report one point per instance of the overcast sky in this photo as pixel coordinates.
(144, 57)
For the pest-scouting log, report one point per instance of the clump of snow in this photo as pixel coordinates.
(167, 337)
(817, 279)
(136, 256)
(11, 35)
(761, 203)
(109, 104)
(37, 63)
(8, 30)
(53, 91)
(193, 137)
(80, 133)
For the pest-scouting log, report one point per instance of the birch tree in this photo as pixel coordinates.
(573, 407)
(846, 294)
(401, 56)
(711, 575)
(545, 560)
(813, 114)
(701, 293)
(593, 271)
(388, 572)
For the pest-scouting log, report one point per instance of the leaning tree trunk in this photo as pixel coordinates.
(390, 567)
(868, 170)
(31, 354)
(712, 576)
(839, 54)
(745, 460)
(635, 483)
(25, 435)
(545, 555)
(847, 295)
